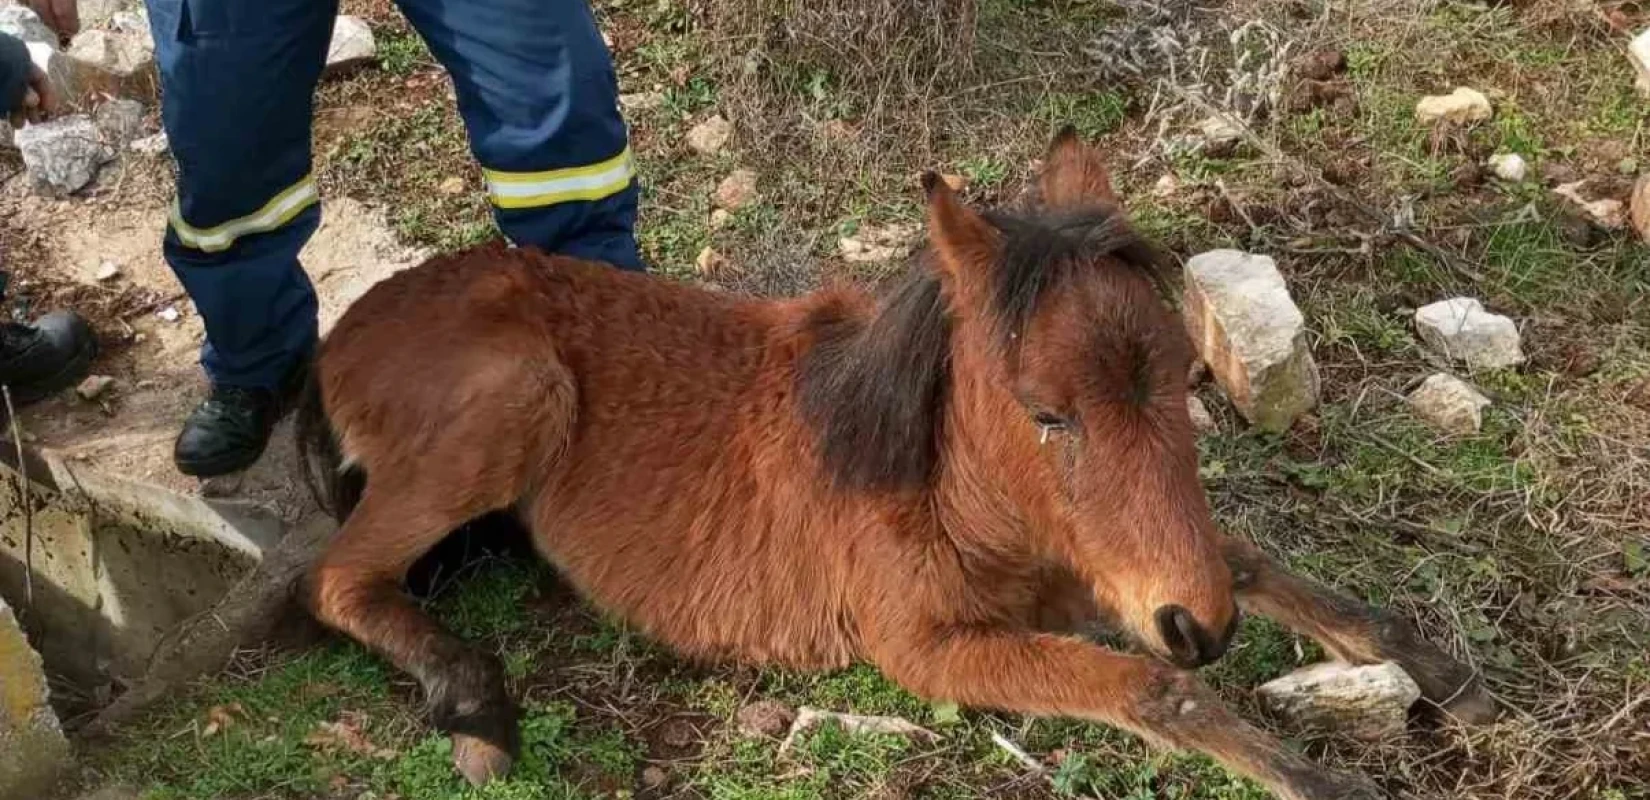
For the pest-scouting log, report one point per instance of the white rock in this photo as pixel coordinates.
(641, 101)
(1641, 207)
(106, 271)
(62, 155)
(737, 190)
(1251, 334)
(33, 751)
(1449, 404)
(153, 145)
(1638, 52)
(880, 243)
(135, 21)
(1460, 107)
(120, 120)
(1509, 167)
(1166, 186)
(1202, 420)
(352, 44)
(1461, 329)
(1219, 131)
(709, 137)
(1368, 702)
(119, 53)
(720, 218)
(709, 262)
(170, 314)
(23, 23)
(59, 68)
(93, 13)
(1606, 212)
(94, 386)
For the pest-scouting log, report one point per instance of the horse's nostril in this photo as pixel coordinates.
(1189, 645)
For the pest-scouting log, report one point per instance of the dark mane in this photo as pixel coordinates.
(1040, 251)
(874, 391)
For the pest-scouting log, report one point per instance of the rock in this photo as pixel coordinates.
(642, 101)
(352, 45)
(135, 21)
(769, 718)
(154, 145)
(94, 386)
(654, 777)
(1460, 107)
(59, 68)
(1166, 186)
(33, 751)
(62, 155)
(709, 262)
(1321, 65)
(1461, 329)
(1509, 167)
(1641, 207)
(115, 62)
(1251, 334)
(120, 120)
(1219, 135)
(451, 186)
(720, 218)
(1638, 52)
(736, 190)
(1202, 420)
(107, 271)
(1368, 702)
(1449, 404)
(709, 137)
(885, 243)
(23, 23)
(170, 314)
(93, 13)
(1606, 212)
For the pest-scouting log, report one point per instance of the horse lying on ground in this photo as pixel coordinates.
(946, 483)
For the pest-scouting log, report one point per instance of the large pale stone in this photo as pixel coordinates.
(1460, 107)
(352, 45)
(1449, 404)
(1640, 207)
(1249, 331)
(1461, 329)
(114, 61)
(1367, 702)
(1638, 52)
(23, 23)
(874, 243)
(62, 155)
(32, 748)
(737, 190)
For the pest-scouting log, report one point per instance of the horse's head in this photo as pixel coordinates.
(1062, 309)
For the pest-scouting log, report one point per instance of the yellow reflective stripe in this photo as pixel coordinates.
(532, 189)
(277, 212)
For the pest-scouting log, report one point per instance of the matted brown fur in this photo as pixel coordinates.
(944, 483)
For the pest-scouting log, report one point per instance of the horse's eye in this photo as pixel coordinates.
(1049, 421)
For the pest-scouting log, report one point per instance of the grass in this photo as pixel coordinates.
(1524, 547)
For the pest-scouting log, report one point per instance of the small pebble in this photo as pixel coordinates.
(107, 271)
(170, 314)
(94, 386)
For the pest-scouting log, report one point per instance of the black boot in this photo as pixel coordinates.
(49, 356)
(229, 431)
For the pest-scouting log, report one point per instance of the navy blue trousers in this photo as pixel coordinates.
(536, 90)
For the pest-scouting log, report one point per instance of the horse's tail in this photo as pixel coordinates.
(335, 486)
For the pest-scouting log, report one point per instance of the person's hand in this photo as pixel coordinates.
(39, 100)
(62, 16)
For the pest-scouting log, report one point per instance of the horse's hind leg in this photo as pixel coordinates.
(356, 589)
(1354, 631)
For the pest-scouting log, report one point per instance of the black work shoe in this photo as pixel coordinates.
(228, 432)
(49, 356)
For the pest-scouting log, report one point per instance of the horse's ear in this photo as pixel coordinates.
(965, 241)
(1074, 174)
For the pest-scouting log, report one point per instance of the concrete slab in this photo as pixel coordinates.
(33, 750)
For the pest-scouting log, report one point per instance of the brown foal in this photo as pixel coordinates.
(946, 482)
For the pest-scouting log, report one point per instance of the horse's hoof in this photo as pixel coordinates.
(478, 761)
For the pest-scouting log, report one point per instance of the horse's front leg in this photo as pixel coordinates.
(1354, 631)
(1050, 675)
